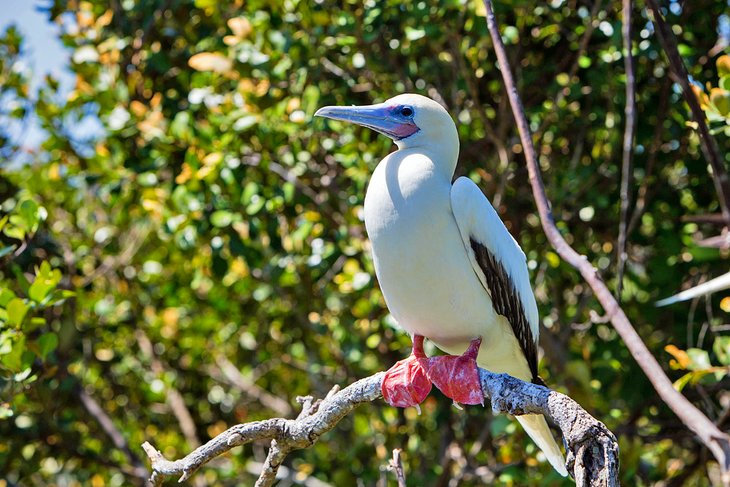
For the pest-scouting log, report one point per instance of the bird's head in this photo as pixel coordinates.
(410, 120)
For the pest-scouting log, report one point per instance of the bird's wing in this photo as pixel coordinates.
(499, 263)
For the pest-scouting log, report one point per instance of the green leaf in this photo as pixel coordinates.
(725, 83)
(721, 347)
(58, 296)
(45, 281)
(700, 359)
(28, 210)
(680, 383)
(221, 218)
(11, 352)
(13, 231)
(720, 99)
(6, 295)
(16, 309)
(35, 323)
(255, 205)
(46, 344)
(20, 279)
(414, 34)
(249, 191)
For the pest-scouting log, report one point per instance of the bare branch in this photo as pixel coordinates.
(592, 448)
(707, 142)
(247, 386)
(396, 465)
(116, 436)
(174, 399)
(294, 434)
(642, 195)
(717, 441)
(271, 466)
(628, 146)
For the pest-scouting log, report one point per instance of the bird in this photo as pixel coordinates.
(448, 268)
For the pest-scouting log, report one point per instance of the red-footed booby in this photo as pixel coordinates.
(447, 266)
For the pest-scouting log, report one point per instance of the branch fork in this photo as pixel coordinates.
(592, 448)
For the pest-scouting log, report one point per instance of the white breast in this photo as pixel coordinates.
(421, 263)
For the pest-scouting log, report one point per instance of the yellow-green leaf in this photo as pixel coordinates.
(17, 310)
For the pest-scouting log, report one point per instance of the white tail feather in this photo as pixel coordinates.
(536, 426)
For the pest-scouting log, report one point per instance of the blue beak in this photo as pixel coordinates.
(382, 118)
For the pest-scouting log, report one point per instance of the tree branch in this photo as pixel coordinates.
(116, 436)
(628, 146)
(717, 441)
(592, 448)
(396, 465)
(707, 142)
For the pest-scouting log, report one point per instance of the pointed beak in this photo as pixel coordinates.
(381, 118)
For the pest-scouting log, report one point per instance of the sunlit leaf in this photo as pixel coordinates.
(210, 61)
(723, 65)
(45, 281)
(16, 310)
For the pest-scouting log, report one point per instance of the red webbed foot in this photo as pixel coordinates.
(457, 377)
(406, 383)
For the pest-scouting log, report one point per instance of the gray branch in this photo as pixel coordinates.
(592, 448)
(716, 440)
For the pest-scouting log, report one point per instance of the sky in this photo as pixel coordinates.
(44, 51)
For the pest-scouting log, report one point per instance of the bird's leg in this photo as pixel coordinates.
(406, 383)
(457, 377)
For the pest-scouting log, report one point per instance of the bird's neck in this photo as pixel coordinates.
(442, 149)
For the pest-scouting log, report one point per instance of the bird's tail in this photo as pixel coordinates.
(538, 429)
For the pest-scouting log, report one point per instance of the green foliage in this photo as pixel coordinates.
(717, 104)
(216, 223)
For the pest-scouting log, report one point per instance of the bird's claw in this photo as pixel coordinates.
(458, 377)
(409, 381)
(406, 383)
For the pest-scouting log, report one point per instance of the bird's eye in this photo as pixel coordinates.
(406, 111)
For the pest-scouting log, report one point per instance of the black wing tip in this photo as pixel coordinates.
(506, 302)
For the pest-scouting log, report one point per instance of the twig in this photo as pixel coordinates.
(592, 448)
(717, 441)
(642, 196)
(174, 399)
(249, 387)
(707, 142)
(271, 466)
(277, 454)
(396, 465)
(116, 436)
(628, 146)
(113, 262)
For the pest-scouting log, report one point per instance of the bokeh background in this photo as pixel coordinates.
(183, 249)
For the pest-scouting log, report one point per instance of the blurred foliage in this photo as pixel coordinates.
(204, 261)
(717, 104)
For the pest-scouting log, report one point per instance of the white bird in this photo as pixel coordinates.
(447, 266)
